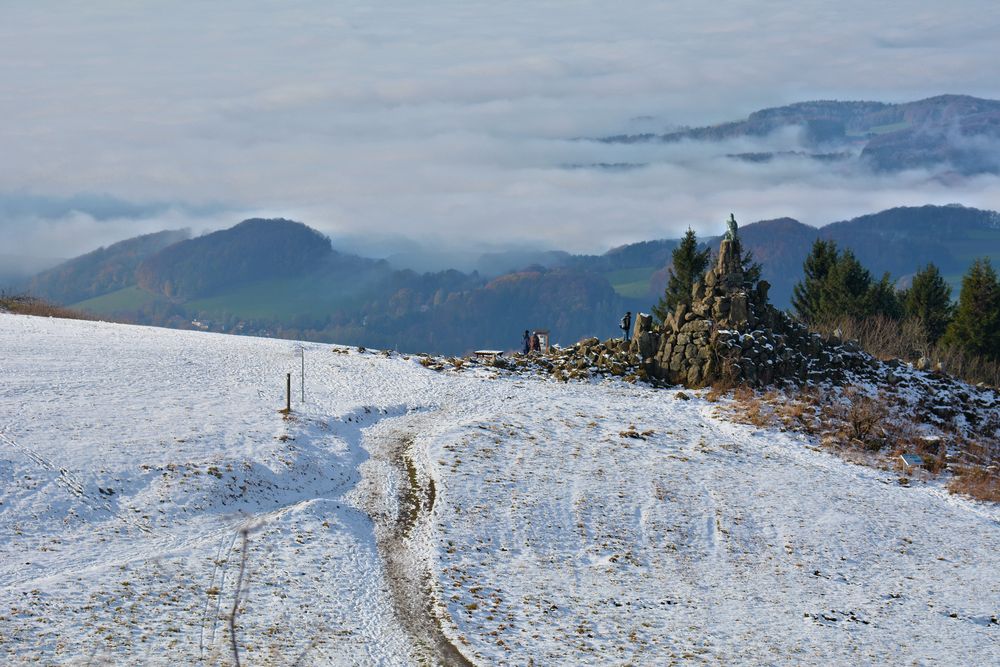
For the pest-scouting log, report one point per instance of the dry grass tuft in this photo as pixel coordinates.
(634, 433)
(976, 482)
(751, 408)
(28, 305)
(798, 415)
(715, 393)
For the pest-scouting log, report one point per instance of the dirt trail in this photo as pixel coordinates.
(408, 573)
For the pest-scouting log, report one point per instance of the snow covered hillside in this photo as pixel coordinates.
(403, 515)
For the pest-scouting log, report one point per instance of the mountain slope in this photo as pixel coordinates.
(252, 250)
(901, 240)
(948, 131)
(102, 271)
(278, 278)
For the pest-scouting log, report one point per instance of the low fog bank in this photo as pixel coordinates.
(457, 125)
(576, 198)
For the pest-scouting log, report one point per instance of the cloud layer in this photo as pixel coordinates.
(452, 122)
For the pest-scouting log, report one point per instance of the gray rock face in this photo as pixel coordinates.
(730, 333)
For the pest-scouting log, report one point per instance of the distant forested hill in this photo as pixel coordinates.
(464, 313)
(952, 131)
(898, 241)
(255, 249)
(281, 278)
(102, 271)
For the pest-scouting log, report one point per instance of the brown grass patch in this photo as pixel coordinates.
(977, 469)
(28, 305)
(875, 431)
(976, 482)
(798, 416)
(751, 408)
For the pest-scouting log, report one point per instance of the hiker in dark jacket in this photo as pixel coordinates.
(536, 343)
(626, 324)
(527, 342)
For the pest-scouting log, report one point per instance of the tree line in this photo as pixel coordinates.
(836, 285)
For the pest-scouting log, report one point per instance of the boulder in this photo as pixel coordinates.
(643, 323)
(698, 291)
(739, 311)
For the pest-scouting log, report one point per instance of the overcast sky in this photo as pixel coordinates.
(449, 122)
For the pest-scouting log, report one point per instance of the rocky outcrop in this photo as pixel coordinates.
(589, 358)
(731, 334)
(728, 334)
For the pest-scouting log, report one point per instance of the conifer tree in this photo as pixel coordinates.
(929, 302)
(882, 299)
(688, 266)
(845, 290)
(806, 295)
(837, 285)
(751, 269)
(976, 326)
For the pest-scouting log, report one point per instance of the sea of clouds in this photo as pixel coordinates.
(457, 124)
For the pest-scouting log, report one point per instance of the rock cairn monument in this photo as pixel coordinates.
(728, 334)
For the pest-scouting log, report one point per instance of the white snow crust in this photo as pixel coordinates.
(579, 523)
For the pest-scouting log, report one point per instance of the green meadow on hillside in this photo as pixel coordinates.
(631, 283)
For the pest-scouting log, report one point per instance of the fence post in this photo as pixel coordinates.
(288, 392)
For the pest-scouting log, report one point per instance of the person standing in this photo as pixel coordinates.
(526, 341)
(626, 324)
(536, 343)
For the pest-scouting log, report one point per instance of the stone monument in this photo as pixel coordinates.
(731, 333)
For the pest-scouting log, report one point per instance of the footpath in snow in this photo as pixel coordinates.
(403, 515)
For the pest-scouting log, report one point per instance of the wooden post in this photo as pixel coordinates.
(288, 392)
(302, 351)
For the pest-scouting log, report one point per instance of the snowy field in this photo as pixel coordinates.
(537, 522)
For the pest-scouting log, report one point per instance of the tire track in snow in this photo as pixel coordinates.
(219, 568)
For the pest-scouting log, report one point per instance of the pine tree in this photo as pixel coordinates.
(751, 269)
(688, 266)
(882, 299)
(807, 294)
(929, 302)
(845, 290)
(837, 285)
(976, 326)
